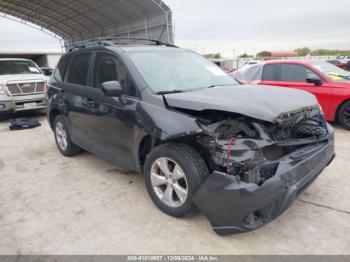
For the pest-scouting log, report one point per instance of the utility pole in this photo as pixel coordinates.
(234, 58)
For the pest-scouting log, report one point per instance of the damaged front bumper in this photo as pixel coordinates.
(233, 206)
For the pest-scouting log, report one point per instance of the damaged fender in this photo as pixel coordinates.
(164, 124)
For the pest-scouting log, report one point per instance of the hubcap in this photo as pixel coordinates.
(61, 136)
(347, 116)
(169, 182)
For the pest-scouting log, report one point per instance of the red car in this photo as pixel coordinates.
(339, 63)
(329, 83)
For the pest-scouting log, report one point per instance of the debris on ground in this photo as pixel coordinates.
(24, 123)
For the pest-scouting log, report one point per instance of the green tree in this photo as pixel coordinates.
(245, 55)
(325, 52)
(213, 56)
(303, 51)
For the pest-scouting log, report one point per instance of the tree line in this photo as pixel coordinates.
(321, 52)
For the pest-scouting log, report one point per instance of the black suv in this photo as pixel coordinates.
(239, 153)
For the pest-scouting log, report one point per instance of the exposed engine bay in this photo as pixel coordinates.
(251, 150)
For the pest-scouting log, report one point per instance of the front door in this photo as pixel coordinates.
(112, 119)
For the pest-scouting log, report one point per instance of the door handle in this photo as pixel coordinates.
(90, 103)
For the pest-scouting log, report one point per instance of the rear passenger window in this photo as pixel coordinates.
(108, 68)
(79, 69)
(269, 73)
(61, 68)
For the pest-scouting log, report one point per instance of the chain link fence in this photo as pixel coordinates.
(240, 62)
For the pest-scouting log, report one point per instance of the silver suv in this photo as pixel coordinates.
(22, 86)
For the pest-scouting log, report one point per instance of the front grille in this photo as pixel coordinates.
(25, 88)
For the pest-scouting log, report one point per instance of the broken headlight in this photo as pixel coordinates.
(236, 148)
(230, 128)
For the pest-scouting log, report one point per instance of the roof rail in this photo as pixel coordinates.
(115, 41)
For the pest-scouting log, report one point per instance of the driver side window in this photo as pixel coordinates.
(296, 73)
(108, 68)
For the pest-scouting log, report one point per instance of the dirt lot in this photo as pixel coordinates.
(84, 205)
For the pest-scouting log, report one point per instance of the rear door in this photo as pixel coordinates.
(76, 96)
(295, 76)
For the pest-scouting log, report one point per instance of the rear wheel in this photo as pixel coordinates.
(62, 137)
(344, 115)
(173, 174)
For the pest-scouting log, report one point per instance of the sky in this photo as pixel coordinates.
(232, 27)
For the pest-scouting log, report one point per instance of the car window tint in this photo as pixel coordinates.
(61, 68)
(296, 73)
(311, 74)
(269, 73)
(108, 68)
(79, 69)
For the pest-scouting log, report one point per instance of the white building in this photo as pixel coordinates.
(44, 58)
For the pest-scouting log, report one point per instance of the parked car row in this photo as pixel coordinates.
(343, 64)
(329, 83)
(239, 153)
(342, 57)
(339, 63)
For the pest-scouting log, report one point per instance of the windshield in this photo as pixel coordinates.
(15, 67)
(178, 70)
(333, 72)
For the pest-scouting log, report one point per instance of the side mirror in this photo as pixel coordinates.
(314, 80)
(112, 89)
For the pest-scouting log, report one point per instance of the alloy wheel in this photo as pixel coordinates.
(169, 182)
(61, 136)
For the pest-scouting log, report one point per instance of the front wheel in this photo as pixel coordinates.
(344, 115)
(173, 174)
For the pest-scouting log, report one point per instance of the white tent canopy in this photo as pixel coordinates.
(78, 20)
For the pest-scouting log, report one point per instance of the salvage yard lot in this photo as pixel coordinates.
(84, 205)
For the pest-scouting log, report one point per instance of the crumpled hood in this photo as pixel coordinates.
(22, 77)
(260, 102)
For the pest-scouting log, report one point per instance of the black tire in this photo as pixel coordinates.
(71, 149)
(344, 115)
(195, 171)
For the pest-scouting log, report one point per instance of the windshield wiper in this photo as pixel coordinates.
(170, 92)
(342, 76)
(213, 86)
(176, 91)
